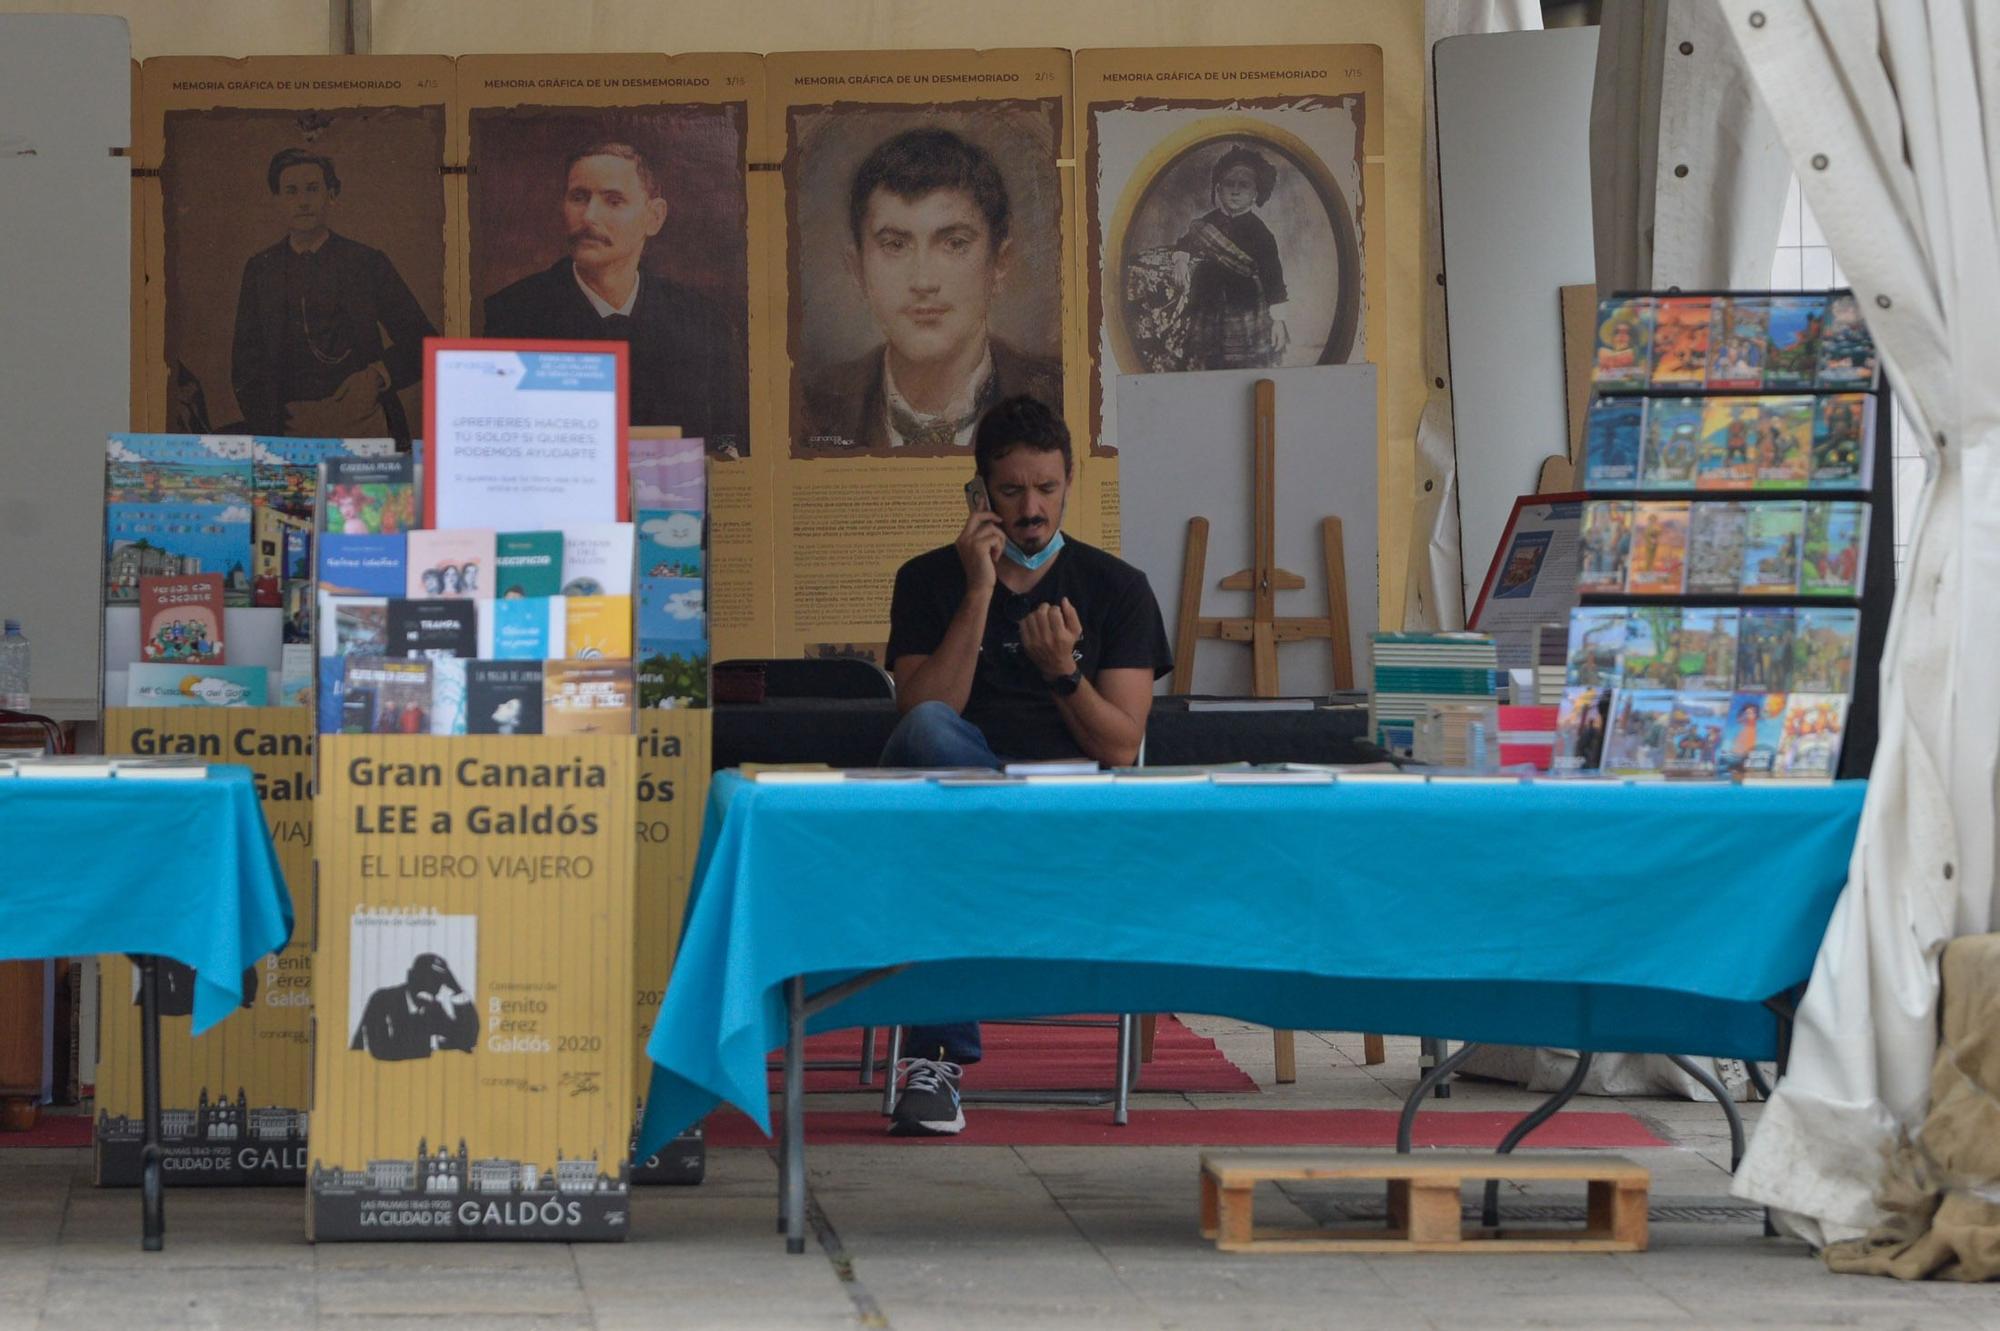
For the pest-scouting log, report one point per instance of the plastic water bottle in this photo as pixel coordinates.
(13, 668)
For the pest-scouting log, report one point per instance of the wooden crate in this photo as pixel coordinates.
(1424, 1201)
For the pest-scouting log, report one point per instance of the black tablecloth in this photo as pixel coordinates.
(851, 734)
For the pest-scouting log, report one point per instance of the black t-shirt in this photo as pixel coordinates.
(1010, 702)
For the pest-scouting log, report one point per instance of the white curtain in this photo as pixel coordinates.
(1433, 598)
(1891, 112)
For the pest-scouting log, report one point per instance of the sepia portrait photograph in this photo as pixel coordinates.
(1226, 239)
(925, 272)
(626, 224)
(304, 266)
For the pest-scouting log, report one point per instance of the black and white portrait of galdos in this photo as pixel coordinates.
(411, 984)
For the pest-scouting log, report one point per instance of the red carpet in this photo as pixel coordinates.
(1027, 1058)
(989, 1126)
(51, 1130)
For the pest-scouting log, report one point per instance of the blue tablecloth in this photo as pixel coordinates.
(1601, 916)
(180, 869)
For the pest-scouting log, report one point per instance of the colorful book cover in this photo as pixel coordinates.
(597, 560)
(1706, 649)
(297, 664)
(447, 626)
(529, 628)
(1846, 349)
(1797, 323)
(1695, 727)
(180, 620)
(362, 565)
(669, 474)
(503, 697)
(1772, 538)
(452, 562)
(448, 716)
(587, 698)
(1611, 443)
(278, 541)
(1607, 545)
(1813, 727)
(1823, 650)
(286, 471)
(1673, 442)
(1756, 724)
(1635, 741)
(177, 505)
(1659, 548)
(330, 694)
(1836, 550)
(386, 695)
(1580, 729)
(672, 674)
(1649, 658)
(1680, 340)
(672, 608)
(353, 625)
(1843, 437)
(1727, 459)
(1784, 443)
(528, 563)
(1738, 342)
(297, 597)
(1715, 547)
(598, 628)
(1596, 646)
(368, 496)
(181, 684)
(1764, 650)
(669, 544)
(1624, 340)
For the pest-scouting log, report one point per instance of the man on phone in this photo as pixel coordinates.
(1013, 642)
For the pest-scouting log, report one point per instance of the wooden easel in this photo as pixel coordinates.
(1264, 629)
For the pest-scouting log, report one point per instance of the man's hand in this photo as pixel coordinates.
(1281, 336)
(1183, 268)
(1049, 635)
(980, 545)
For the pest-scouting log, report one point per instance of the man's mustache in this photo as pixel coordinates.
(584, 233)
(1030, 524)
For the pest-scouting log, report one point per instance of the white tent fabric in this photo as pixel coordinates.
(1891, 111)
(1433, 598)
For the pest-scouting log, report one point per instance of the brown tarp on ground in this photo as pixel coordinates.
(1942, 1189)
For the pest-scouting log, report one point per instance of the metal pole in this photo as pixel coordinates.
(794, 1145)
(1406, 1126)
(152, 1186)
(1489, 1214)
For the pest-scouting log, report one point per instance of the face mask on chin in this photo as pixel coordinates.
(1031, 562)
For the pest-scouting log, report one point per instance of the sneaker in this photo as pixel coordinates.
(928, 1104)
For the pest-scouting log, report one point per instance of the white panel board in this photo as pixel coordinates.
(1186, 452)
(1513, 120)
(65, 332)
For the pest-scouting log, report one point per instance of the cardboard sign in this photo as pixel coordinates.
(234, 1100)
(472, 1066)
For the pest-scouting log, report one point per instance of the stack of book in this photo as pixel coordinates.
(1415, 672)
(1551, 661)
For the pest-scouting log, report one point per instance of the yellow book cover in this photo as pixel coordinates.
(600, 628)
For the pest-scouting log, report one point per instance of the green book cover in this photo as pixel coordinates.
(529, 563)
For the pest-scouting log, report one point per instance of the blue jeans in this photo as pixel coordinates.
(931, 734)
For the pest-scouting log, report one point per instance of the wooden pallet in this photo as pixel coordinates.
(1424, 1201)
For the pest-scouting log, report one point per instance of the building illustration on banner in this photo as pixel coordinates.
(448, 1194)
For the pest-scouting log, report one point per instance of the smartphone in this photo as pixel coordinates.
(975, 495)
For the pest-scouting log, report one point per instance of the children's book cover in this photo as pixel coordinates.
(1596, 646)
(1659, 548)
(185, 684)
(669, 474)
(1823, 648)
(1650, 659)
(598, 628)
(1738, 342)
(1607, 545)
(669, 544)
(503, 697)
(177, 505)
(1846, 349)
(1728, 456)
(1772, 540)
(1695, 727)
(180, 620)
(1836, 550)
(1673, 442)
(1797, 323)
(528, 563)
(1611, 443)
(1635, 741)
(1680, 340)
(1843, 438)
(1624, 339)
(1764, 650)
(362, 565)
(368, 496)
(530, 628)
(587, 698)
(450, 562)
(672, 673)
(1756, 724)
(1706, 649)
(1784, 443)
(1715, 547)
(672, 609)
(1813, 727)
(1580, 729)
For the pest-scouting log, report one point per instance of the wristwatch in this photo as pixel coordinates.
(1066, 685)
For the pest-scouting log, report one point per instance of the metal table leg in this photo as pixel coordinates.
(792, 1157)
(1723, 1098)
(1429, 1049)
(1489, 1214)
(1415, 1100)
(152, 1187)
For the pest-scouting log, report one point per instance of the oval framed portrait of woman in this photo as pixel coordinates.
(1234, 248)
